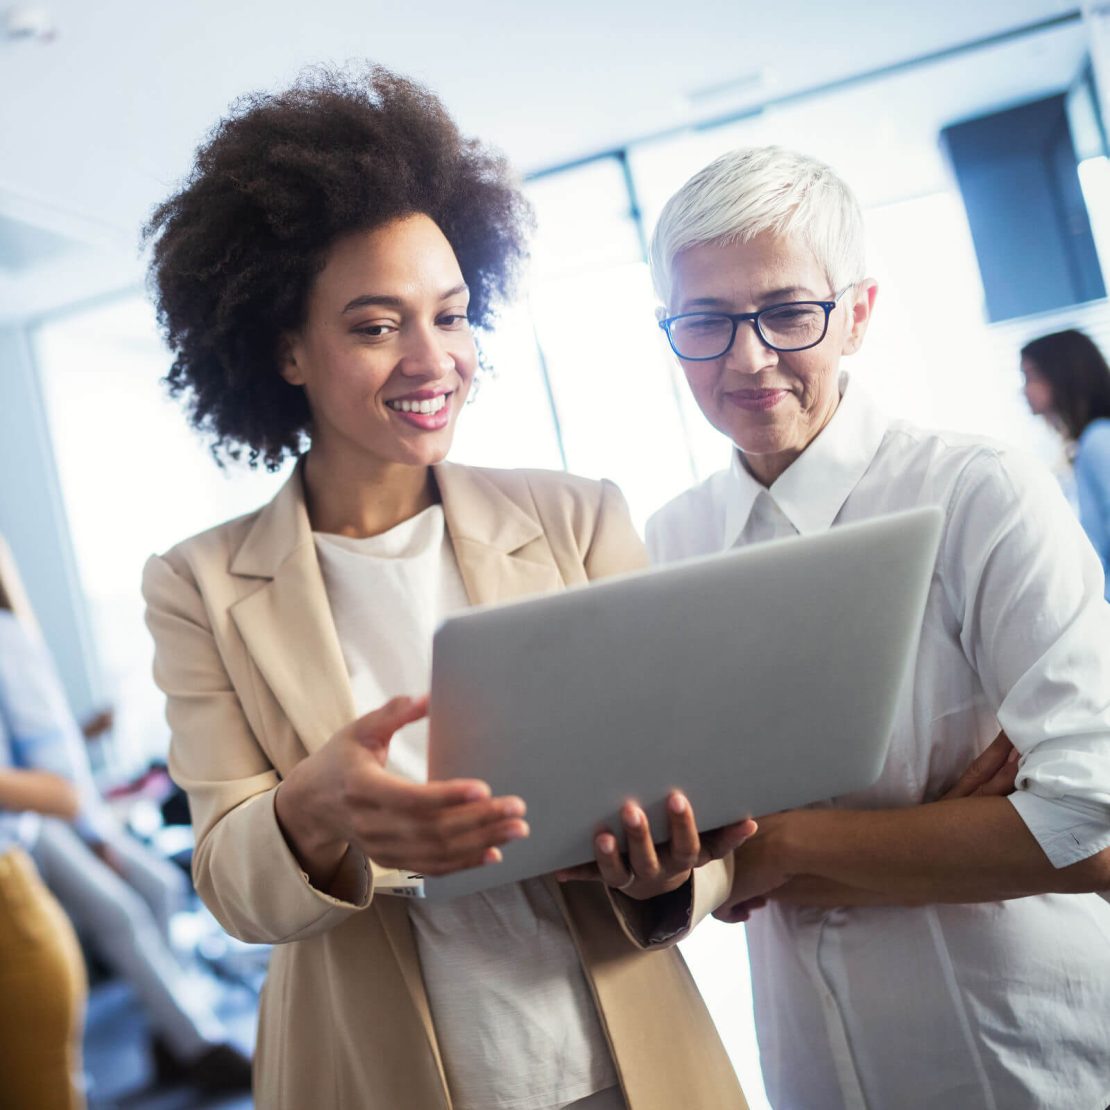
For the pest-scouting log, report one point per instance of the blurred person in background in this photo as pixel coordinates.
(42, 972)
(117, 891)
(923, 946)
(318, 277)
(1067, 381)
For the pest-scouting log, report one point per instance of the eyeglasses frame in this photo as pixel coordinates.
(738, 318)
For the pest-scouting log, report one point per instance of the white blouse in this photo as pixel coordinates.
(514, 1018)
(971, 1007)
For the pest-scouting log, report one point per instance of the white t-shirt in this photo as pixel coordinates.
(514, 1018)
(969, 1007)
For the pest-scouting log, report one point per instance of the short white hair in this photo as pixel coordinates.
(755, 189)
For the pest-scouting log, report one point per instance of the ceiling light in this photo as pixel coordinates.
(29, 22)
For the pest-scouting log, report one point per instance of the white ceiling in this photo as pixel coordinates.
(97, 125)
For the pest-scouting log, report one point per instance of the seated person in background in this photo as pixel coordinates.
(917, 951)
(118, 892)
(1067, 381)
(42, 974)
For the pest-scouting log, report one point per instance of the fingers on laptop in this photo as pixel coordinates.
(646, 862)
(647, 865)
(609, 866)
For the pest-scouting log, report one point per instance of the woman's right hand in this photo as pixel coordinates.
(342, 796)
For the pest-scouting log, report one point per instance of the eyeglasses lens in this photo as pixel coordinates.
(789, 327)
(701, 336)
(793, 326)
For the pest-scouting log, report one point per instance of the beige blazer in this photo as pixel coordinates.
(248, 657)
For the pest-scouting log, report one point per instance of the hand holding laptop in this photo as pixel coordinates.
(441, 827)
(647, 869)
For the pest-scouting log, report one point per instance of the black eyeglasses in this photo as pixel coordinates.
(793, 326)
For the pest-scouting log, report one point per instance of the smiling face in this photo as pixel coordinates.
(770, 404)
(385, 354)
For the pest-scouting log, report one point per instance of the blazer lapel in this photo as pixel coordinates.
(286, 623)
(501, 550)
(499, 558)
(502, 554)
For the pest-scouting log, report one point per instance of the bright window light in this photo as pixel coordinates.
(135, 480)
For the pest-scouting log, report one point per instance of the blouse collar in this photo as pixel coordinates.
(813, 489)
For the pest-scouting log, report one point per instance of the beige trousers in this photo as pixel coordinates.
(42, 994)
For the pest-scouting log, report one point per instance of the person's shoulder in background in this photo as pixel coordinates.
(1094, 446)
(1092, 483)
(1092, 479)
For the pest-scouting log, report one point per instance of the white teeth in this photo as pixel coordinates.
(425, 408)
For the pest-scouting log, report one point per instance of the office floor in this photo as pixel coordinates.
(117, 1060)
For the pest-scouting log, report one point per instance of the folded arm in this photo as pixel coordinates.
(968, 850)
(990, 775)
(1026, 596)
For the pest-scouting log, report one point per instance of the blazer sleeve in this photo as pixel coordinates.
(615, 548)
(242, 866)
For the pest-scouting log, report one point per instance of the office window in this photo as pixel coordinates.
(135, 480)
(621, 407)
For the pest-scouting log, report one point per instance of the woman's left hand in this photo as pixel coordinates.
(649, 869)
(993, 773)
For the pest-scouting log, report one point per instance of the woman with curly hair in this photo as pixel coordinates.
(1067, 381)
(318, 278)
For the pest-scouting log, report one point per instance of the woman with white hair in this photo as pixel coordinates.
(917, 949)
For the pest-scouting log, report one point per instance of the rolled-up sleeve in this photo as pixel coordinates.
(669, 918)
(242, 866)
(1028, 590)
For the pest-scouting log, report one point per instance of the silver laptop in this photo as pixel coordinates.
(757, 680)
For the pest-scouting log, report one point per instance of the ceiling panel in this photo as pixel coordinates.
(99, 124)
